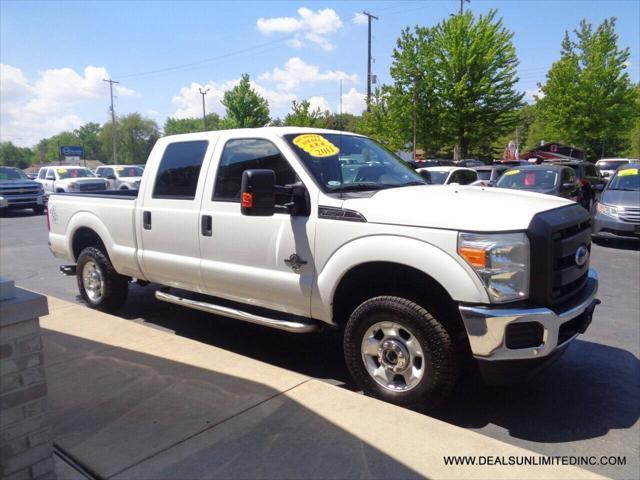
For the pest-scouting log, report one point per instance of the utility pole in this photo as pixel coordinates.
(340, 116)
(204, 114)
(369, 17)
(113, 120)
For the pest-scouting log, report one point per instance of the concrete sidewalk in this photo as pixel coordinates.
(130, 401)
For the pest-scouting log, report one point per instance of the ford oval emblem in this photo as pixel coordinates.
(582, 255)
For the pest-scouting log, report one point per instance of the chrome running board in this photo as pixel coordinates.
(287, 325)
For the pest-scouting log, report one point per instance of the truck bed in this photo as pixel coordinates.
(110, 214)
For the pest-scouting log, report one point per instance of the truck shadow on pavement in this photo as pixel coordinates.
(590, 390)
(120, 412)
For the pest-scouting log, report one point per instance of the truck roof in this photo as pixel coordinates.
(278, 131)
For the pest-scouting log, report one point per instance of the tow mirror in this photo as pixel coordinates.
(568, 186)
(258, 193)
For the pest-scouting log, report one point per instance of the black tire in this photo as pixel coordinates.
(439, 355)
(38, 209)
(115, 286)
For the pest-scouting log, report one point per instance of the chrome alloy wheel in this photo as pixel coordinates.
(93, 281)
(393, 356)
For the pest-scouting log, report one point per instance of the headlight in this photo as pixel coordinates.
(605, 209)
(500, 260)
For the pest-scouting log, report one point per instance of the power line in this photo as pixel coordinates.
(369, 17)
(113, 119)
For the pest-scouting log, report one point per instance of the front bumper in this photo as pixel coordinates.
(606, 226)
(22, 201)
(487, 326)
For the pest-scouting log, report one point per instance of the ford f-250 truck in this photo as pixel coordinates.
(298, 229)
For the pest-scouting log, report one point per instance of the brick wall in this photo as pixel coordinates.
(25, 437)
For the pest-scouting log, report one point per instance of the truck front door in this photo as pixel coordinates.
(167, 222)
(263, 261)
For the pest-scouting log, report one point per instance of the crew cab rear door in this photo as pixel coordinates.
(167, 221)
(263, 261)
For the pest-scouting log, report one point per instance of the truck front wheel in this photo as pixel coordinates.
(397, 351)
(100, 285)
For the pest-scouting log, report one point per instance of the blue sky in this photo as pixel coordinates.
(54, 55)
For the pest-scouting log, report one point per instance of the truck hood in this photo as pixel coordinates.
(9, 184)
(455, 207)
(130, 179)
(621, 198)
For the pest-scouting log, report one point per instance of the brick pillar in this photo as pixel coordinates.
(25, 438)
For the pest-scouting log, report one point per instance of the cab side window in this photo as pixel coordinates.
(42, 173)
(244, 154)
(179, 170)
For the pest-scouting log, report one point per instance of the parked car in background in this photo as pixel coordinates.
(488, 175)
(469, 162)
(431, 163)
(589, 178)
(557, 180)
(618, 210)
(608, 166)
(449, 175)
(19, 191)
(121, 177)
(69, 179)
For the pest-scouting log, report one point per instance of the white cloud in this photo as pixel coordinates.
(319, 102)
(308, 25)
(33, 109)
(353, 102)
(296, 71)
(152, 113)
(360, 18)
(531, 94)
(188, 102)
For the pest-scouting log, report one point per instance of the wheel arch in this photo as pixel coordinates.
(386, 262)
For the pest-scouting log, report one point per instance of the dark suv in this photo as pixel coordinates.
(589, 177)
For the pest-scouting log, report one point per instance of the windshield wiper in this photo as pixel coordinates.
(355, 187)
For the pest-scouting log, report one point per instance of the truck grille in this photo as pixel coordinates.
(7, 192)
(555, 237)
(630, 214)
(92, 187)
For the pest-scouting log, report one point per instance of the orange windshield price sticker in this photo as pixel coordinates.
(316, 145)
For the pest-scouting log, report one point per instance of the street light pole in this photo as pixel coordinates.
(369, 17)
(204, 114)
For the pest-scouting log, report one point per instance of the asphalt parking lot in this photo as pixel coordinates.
(587, 403)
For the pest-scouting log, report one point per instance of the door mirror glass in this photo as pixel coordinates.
(258, 193)
(568, 186)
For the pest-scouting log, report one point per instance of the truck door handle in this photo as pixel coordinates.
(206, 225)
(146, 220)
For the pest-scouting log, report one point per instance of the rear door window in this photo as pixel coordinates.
(179, 170)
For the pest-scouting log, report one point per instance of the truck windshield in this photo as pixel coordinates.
(129, 171)
(65, 173)
(341, 163)
(7, 173)
(627, 179)
(529, 179)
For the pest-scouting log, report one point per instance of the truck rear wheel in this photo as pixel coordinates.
(397, 351)
(100, 285)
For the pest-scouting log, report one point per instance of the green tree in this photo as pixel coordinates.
(13, 156)
(474, 79)
(588, 98)
(245, 107)
(457, 80)
(345, 122)
(88, 135)
(378, 122)
(302, 116)
(136, 136)
(175, 126)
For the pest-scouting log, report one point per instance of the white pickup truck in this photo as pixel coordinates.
(299, 229)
